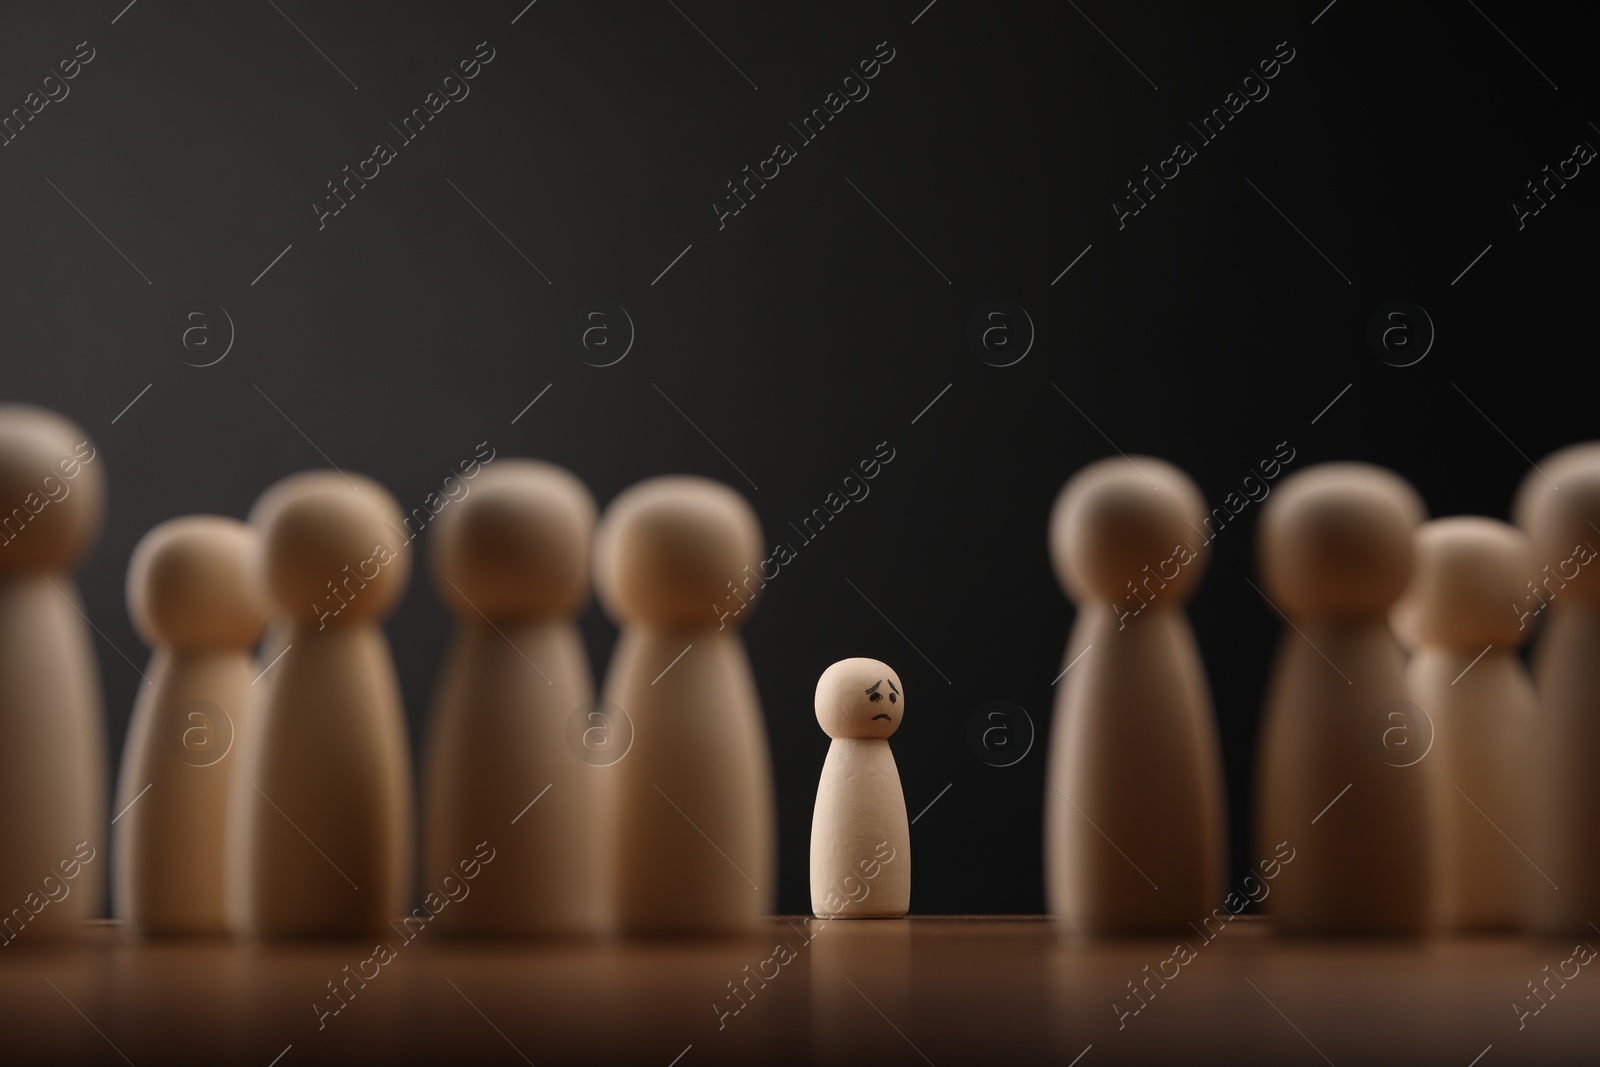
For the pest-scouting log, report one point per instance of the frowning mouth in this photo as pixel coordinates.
(881, 715)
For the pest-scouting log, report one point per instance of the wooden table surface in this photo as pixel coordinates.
(939, 990)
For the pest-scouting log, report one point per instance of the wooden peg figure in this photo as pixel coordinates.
(689, 826)
(52, 731)
(1466, 676)
(1559, 507)
(1134, 757)
(860, 839)
(193, 600)
(1336, 553)
(320, 807)
(511, 562)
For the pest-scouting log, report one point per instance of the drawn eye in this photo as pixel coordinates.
(891, 698)
(877, 697)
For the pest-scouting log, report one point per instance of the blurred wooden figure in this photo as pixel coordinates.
(1336, 552)
(52, 727)
(689, 827)
(1467, 678)
(192, 598)
(1134, 757)
(1564, 789)
(320, 817)
(511, 561)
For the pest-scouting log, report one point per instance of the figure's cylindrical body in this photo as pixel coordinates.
(498, 741)
(1359, 820)
(1134, 834)
(320, 834)
(860, 838)
(689, 812)
(173, 791)
(1562, 782)
(1481, 713)
(52, 753)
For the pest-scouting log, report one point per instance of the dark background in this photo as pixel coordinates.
(808, 330)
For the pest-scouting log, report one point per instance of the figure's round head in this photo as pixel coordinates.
(860, 698)
(517, 545)
(668, 547)
(1118, 516)
(1336, 541)
(1564, 522)
(331, 548)
(190, 584)
(1468, 576)
(52, 490)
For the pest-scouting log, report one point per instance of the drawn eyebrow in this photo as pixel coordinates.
(892, 685)
(875, 685)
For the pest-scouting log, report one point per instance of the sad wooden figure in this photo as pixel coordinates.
(860, 839)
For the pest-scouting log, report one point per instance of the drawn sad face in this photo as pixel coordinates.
(859, 698)
(875, 694)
